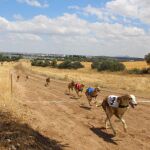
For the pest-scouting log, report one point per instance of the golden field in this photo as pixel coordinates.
(8, 101)
(129, 65)
(135, 64)
(5, 93)
(113, 81)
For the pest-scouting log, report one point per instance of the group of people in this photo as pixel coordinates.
(112, 104)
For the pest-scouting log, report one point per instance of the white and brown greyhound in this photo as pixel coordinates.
(117, 105)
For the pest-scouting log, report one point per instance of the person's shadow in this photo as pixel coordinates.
(102, 134)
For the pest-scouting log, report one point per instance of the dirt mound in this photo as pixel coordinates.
(17, 136)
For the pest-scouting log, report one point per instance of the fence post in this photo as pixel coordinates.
(11, 82)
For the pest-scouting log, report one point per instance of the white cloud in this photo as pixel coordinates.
(34, 3)
(127, 9)
(102, 14)
(66, 24)
(69, 32)
(93, 11)
(132, 8)
(22, 37)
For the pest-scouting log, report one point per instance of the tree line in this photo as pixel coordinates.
(98, 63)
(4, 58)
(67, 64)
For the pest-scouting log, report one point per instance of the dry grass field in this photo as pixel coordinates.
(5, 88)
(128, 64)
(114, 81)
(135, 64)
(8, 101)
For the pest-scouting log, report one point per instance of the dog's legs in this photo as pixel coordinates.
(89, 100)
(46, 84)
(108, 117)
(106, 121)
(69, 90)
(95, 102)
(106, 124)
(77, 92)
(124, 124)
(81, 94)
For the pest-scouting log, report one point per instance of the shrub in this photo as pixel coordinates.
(76, 65)
(110, 65)
(9, 58)
(65, 64)
(95, 64)
(139, 71)
(41, 63)
(147, 58)
(46, 63)
(54, 63)
(145, 71)
(76, 58)
(134, 71)
(70, 65)
(97, 61)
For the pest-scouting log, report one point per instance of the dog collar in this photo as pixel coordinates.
(94, 96)
(122, 106)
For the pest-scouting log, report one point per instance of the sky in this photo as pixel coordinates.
(81, 27)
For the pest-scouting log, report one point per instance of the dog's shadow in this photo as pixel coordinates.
(102, 134)
(67, 93)
(73, 97)
(85, 107)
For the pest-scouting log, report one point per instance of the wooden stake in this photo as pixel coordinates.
(11, 82)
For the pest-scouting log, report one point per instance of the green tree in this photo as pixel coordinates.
(54, 63)
(147, 58)
(111, 65)
(67, 64)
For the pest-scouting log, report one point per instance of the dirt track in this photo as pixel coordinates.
(60, 117)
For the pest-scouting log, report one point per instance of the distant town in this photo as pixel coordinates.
(63, 56)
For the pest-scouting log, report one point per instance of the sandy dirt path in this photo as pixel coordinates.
(58, 116)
